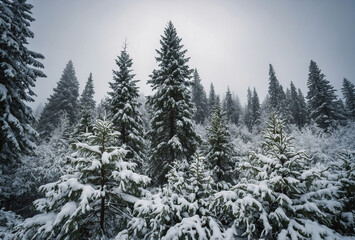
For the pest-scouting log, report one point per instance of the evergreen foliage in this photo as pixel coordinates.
(220, 154)
(63, 100)
(277, 95)
(348, 91)
(253, 110)
(297, 107)
(344, 169)
(231, 109)
(199, 98)
(19, 69)
(278, 199)
(172, 133)
(321, 99)
(212, 98)
(87, 107)
(124, 108)
(180, 210)
(90, 201)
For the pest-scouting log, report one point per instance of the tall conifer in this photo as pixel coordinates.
(172, 134)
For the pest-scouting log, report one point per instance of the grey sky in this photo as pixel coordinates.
(229, 42)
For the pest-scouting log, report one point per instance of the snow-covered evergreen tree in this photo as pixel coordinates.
(321, 99)
(297, 107)
(255, 109)
(277, 95)
(345, 179)
(87, 107)
(172, 133)
(230, 108)
(277, 200)
(63, 100)
(212, 98)
(90, 201)
(220, 154)
(19, 69)
(199, 98)
(348, 91)
(180, 210)
(124, 108)
(248, 121)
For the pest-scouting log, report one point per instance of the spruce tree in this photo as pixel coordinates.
(63, 100)
(276, 198)
(19, 70)
(255, 109)
(277, 96)
(91, 200)
(248, 120)
(348, 91)
(199, 98)
(297, 107)
(124, 108)
(87, 107)
(230, 108)
(211, 99)
(180, 210)
(172, 134)
(321, 99)
(220, 154)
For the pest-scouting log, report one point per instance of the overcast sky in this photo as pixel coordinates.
(231, 43)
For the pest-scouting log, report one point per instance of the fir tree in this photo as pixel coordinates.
(19, 70)
(220, 152)
(248, 120)
(172, 132)
(230, 108)
(278, 199)
(297, 107)
(180, 210)
(277, 96)
(123, 105)
(90, 201)
(321, 98)
(199, 99)
(348, 91)
(87, 107)
(211, 99)
(255, 109)
(63, 100)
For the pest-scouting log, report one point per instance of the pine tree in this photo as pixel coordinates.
(91, 200)
(87, 107)
(230, 108)
(321, 98)
(199, 98)
(172, 132)
(274, 88)
(344, 175)
(63, 100)
(19, 70)
(348, 91)
(211, 100)
(277, 198)
(255, 109)
(248, 120)
(277, 96)
(220, 154)
(297, 107)
(123, 105)
(180, 210)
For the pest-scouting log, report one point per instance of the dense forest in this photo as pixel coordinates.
(178, 164)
